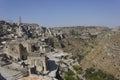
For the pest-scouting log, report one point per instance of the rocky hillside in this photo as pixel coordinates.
(99, 47)
(105, 55)
(6, 28)
(79, 40)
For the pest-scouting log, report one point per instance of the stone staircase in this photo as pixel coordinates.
(17, 76)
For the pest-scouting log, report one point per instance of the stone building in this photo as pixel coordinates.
(30, 52)
(15, 50)
(34, 46)
(37, 64)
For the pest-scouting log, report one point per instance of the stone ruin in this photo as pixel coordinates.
(37, 64)
(27, 53)
(16, 51)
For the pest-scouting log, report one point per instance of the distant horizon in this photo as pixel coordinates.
(60, 13)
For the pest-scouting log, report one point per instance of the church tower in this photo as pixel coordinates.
(19, 21)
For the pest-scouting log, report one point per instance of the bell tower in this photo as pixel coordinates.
(19, 21)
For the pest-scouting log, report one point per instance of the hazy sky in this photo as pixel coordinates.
(53, 13)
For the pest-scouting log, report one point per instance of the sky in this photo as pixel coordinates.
(60, 13)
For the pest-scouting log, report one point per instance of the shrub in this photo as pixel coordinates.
(78, 69)
(70, 72)
(67, 77)
(91, 74)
